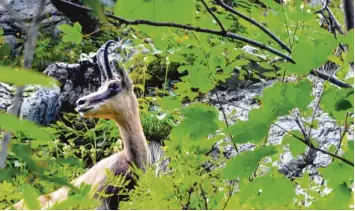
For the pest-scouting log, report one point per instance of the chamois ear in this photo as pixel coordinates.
(126, 80)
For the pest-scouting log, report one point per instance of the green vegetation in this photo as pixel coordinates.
(43, 159)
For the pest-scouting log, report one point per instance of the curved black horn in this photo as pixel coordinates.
(99, 64)
(107, 64)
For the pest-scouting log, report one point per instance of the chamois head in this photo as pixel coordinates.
(115, 98)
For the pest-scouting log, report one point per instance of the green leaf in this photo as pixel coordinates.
(245, 164)
(269, 192)
(339, 199)
(348, 38)
(296, 146)
(21, 77)
(157, 10)
(30, 198)
(282, 97)
(272, 4)
(199, 121)
(13, 124)
(277, 100)
(349, 154)
(71, 33)
(333, 176)
(170, 103)
(310, 54)
(337, 102)
(184, 89)
(200, 77)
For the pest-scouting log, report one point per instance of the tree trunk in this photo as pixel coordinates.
(349, 14)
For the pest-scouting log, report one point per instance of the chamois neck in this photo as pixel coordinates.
(134, 143)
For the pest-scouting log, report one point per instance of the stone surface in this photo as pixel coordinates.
(26, 9)
(42, 105)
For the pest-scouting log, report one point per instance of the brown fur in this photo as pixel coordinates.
(122, 108)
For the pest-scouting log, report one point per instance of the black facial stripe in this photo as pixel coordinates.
(104, 96)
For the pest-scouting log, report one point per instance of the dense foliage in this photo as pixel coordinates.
(42, 159)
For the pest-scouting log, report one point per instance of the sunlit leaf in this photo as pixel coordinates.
(71, 33)
(245, 164)
(11, 123)
(20, 77)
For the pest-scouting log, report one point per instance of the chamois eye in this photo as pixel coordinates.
(114, 86)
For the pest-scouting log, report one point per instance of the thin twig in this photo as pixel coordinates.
(230, 194)
(305, 135)
(225, 120)
(255, 23)
(187, 205)
(294, 35)
(216, 93)
(316, 148)
(325, 5)
(204, 197)
(344, 132)
(214, 16)
(334, 20)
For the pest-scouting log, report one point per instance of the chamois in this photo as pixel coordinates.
(114, 100)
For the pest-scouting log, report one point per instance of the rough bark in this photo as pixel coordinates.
(349, 14)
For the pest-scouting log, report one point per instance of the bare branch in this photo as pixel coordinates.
(330, 79)
(325, 5)
(254, 22)
(214, 16)
(334, 20)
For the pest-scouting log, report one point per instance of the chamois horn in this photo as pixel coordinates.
(103, 72)
(107, 63)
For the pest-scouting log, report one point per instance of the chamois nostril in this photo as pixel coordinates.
(80, 102)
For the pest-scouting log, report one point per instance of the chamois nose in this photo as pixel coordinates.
(80, 102)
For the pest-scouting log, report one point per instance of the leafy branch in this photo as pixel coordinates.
(220, 33)
(311, 146)
(255, 23)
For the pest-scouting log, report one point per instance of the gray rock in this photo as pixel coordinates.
(26, 10)
(41, 105)
(237, 104)
(5, 96)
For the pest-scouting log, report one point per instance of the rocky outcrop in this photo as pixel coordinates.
(13, 33)
(40, 105)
